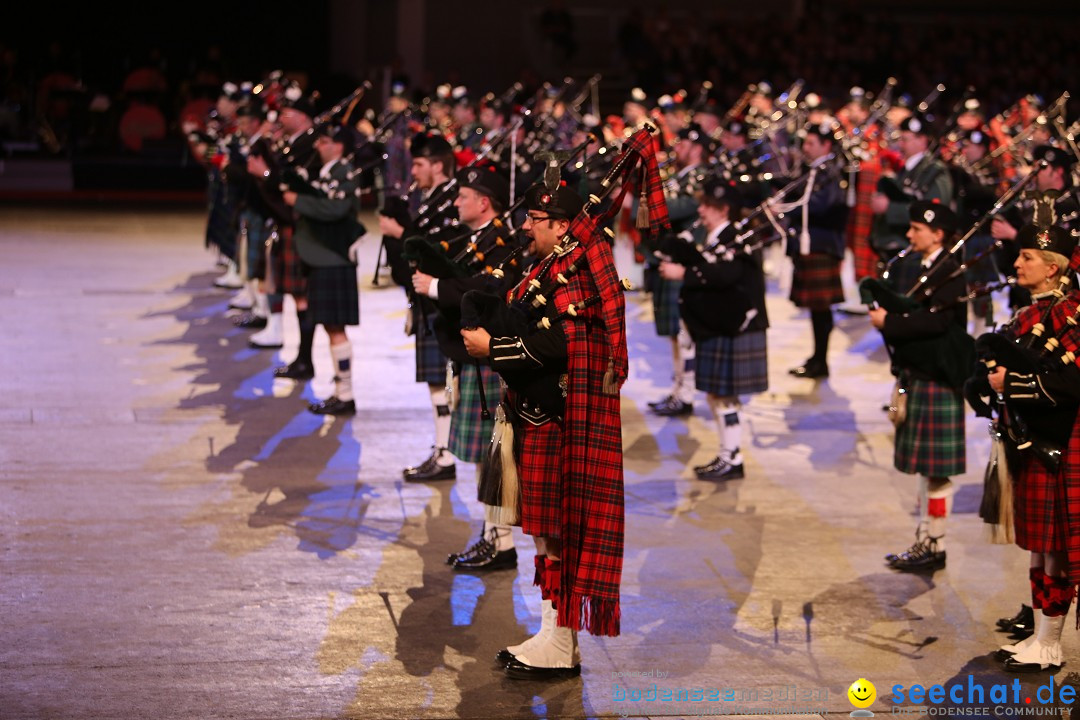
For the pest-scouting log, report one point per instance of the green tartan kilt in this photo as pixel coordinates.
(930, 441)
(470, 434)
(665, 299)
(430, 361)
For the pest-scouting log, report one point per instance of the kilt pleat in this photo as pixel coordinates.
(333, 297)
(470, 434)
(538, 450)
(289, 277)
(430, 361)
(256, 245)
(736, 365)
(930, 441)
(1039, 508)
(665, 300)
(816, 283)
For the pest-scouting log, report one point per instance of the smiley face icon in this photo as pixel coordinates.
(862, 693)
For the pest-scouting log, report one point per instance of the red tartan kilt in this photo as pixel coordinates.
(1039, 509)
(816, 283)
(537, 450)
(288, 270)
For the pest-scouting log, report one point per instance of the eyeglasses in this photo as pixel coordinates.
(535, 219)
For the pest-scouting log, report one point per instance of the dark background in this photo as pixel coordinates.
(1004, 49)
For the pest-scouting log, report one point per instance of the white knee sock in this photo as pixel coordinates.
(342, 354)
(685, 345)
(939, 497)
(676, 367)
(442, 423)
(729, 428)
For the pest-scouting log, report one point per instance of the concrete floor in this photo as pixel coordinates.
(179, 538)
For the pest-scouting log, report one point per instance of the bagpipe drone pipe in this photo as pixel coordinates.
(525, 314)
(950, 356)
(1031, 353)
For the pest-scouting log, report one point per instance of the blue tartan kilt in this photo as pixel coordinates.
(256, 245)
(930, 441)
(333, 298)
(816, 283)
(219, 222)
(728, 366)
(665, 300)
(430, 361)
(470, 434)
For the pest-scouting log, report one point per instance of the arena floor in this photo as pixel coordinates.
(180, 538)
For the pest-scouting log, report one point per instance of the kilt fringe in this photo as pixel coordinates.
(597, 616)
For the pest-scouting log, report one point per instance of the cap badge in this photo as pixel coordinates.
(914, 125)
(929, 216)
(1043, 240)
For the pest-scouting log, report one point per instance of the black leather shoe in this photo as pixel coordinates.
(520, 671)
(430, 469)
(333, 406)
(1011, 665)
(707, 466)
(265, 345)
(1003, 655)
(673, 408)
(295, 371)
(504, 657)
(1024, 627)
(483, 546)
(1021, 631)
(1025, 616)
(921, 557)
(811, 370)
(660, 403)
(720, 469)
(249, 320)
(499, 560)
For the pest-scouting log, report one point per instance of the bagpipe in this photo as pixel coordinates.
(1033, 352)
(522, 315)
(876, 292)
(1007, 146)
(950, 356)
(498, 486)
(471, 253)
(440, 202)
(298, 179)
(681, 249)
(435, 259)
(914, 186)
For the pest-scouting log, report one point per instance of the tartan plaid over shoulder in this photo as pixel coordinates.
(592, 522)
